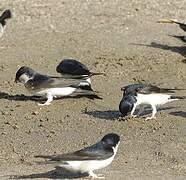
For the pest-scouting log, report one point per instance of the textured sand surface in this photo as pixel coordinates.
(118, 37)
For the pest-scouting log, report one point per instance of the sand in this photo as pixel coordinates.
(119, 38)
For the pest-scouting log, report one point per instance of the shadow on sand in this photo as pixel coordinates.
(178, 49)
(178, 113)
(114, 114)
(108, 115)
(57, 173)
(21, 97)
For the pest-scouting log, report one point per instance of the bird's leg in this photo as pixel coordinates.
(95, 176)
(49, 100)
(133, 110)
(154, 111)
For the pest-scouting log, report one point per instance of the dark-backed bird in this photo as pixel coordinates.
(72, 68)
(145, 94)
(91, 158)
(5, 15)
(52, 87)
(171, 21)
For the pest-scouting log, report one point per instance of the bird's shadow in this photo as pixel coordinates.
(57, 173)
(148, 110)
(178, 113)
(115, 114)
(19, 97)
(178, 49)
(22, 97)
(108, 114)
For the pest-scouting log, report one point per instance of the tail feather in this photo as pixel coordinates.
(44, 156)
(55, 163)
(177, 97)
(96, 74)
(89, 93)
(182, 38)
(171, 90)
(50, 160)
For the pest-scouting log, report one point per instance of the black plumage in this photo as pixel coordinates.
(126, 104)
(133, 89)
(5, 15)
(99, 151)
(74, 67)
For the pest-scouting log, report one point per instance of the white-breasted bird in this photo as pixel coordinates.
(145, 94)
(88, 159)
(182, 25)
(72, 68)
(5, 15)
(52, 87)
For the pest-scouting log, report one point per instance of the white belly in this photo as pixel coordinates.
(86, 166)
(85, 83)
(155, 99)
(57, 92)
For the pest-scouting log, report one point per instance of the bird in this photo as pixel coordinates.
(86, 160)
(51, 86)
(5, 15)
(145, 94)
(182, 38)
(72, 68)
(181, 24)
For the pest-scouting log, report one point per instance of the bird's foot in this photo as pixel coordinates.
(100, 176)
(149, 118)
(44, 104)
(134, 116)
(95, 176)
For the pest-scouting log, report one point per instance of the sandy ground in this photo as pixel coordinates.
(119, 38)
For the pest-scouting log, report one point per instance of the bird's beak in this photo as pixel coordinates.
(166, 21)
(123, 88)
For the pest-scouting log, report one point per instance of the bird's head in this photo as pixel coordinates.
(125, 107)
(24, 74)
(111, 139)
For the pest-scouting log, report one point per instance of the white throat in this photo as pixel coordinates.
(24, 78)
(115, 148)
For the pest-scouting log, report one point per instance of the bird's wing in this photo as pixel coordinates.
(132, 88)
(73, 67)
(148, 89)
(181, 24)
(182, 38)
(95, 152)
(41, 82)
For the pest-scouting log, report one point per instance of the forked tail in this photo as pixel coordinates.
(177, 97)
(96, 74)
